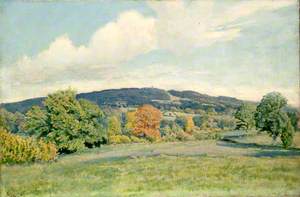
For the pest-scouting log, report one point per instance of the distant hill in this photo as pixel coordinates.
(220, 103)
(131, 97)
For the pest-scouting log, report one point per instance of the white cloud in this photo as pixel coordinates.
(182, 26)
(178, 27)
(130, 35)
(119, 41)
(246, 8)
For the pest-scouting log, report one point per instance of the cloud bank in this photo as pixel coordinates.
(177, 27)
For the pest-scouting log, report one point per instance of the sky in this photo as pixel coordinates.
(242, 49)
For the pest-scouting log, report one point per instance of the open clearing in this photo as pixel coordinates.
(248, 166)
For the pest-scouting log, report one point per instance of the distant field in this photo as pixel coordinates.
(248, 166)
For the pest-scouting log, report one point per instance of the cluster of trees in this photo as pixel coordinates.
(73, 124)
(135, 125)
(148, 123)
(269, 116)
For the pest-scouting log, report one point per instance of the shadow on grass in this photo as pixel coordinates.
(235, 144)
(265, 150)
(277, 153)
(122, 158)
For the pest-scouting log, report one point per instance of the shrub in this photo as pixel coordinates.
(179, 136)
(137, 140)
(48, 151)
(119, 139)
(170, 138)
(206, 135)
(183, 136)
(152, 138)
(287, 135)
(16, 149)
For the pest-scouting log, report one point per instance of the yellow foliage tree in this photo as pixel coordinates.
(189, 124)
(130, 120)
(114, 126)
(147, 122)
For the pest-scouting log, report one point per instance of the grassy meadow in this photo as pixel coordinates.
(149, 98)
(246, 166)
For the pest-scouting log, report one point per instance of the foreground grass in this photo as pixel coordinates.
(107, 172)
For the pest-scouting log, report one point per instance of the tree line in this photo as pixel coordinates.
(71, 124)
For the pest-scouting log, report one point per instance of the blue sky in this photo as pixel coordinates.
(243, 49)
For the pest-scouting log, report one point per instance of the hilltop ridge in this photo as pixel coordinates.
(130, 97)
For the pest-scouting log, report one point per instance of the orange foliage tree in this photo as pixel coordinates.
(147, 122)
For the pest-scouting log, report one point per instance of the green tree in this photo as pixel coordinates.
(4, 123)
(68, 123)
(169, 127)
(18, 122)
(208, 121)
(36, 122)
(93, 124)
(181, 121)
(294, 117)
(197, 120)
(114, 126)
(185, 122)
(245, 117)
(130, 120)
(271, 117)
(12, 122)
(64, 113)
(226, 122)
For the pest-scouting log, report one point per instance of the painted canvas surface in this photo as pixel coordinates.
(149, 98)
